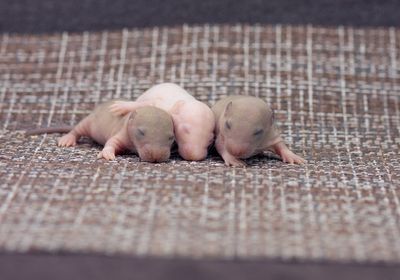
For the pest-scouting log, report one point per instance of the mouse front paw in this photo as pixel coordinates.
(234, 162)
(120, 108)
(106, 154)
(67, 140)
(289, 157)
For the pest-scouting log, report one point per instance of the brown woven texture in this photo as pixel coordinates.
(336, 95)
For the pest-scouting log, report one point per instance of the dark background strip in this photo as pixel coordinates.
(38, 16)
(77, 267)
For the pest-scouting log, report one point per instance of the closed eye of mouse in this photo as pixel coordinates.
(258, 132)
(140, 132)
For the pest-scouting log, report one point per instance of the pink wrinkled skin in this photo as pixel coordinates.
(194, 121)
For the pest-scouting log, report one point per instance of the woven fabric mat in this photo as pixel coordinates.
(336, 95)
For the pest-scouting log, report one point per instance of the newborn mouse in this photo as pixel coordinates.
(245, 127)
(147, 131)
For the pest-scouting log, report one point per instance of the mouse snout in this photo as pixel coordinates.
(238, 150)
(151, 154)
(191, 153)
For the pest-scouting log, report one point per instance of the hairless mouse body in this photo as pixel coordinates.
(147, 131)
(193, 120)
(245, 127)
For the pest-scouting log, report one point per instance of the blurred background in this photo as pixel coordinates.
(29, 16)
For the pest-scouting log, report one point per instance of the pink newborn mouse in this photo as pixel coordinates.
(147, 131)
(245, 127)
(193, 120)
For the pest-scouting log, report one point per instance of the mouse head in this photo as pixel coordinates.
(244, 125)
(194, 124)
(152, 132)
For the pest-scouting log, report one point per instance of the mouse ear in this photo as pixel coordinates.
(132, 115)
(272, 117)
(177, 107)
(228, 109)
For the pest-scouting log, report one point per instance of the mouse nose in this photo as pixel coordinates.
(238, 150)
(156, 155)
(193, 154)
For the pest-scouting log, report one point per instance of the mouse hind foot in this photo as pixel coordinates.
(121, 108)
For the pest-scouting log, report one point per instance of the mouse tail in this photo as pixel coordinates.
(43, 130)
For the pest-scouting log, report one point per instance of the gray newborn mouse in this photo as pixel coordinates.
(245, 127)
(147, 131)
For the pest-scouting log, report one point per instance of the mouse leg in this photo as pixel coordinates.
(286, 154)
(226, 156)
(121, 108)
(111, 148)
(73, 136)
